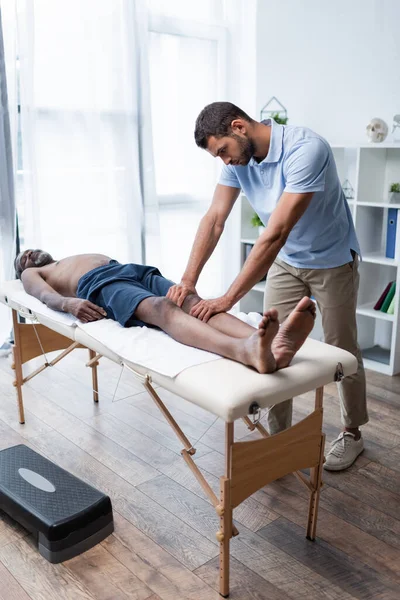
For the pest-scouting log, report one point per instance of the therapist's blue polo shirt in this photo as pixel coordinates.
(300, 161)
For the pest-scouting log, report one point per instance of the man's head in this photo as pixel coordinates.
(31, 258)
(224, 130)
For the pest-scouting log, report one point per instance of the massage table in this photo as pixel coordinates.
(226, 388)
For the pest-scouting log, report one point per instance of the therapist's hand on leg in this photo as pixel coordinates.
(178, 292)
(205, 309)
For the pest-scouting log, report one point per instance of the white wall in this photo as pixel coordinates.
(334, 64)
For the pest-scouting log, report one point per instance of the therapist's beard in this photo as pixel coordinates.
(247, 149)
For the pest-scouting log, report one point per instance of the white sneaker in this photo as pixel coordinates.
(344, 451)
(5, 349)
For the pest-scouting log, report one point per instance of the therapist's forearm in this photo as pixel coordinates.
(259, 261)
(206, 239)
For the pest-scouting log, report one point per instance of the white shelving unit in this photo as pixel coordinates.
(370, 168)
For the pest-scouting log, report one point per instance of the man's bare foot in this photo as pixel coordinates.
(293, 332)
(257, 348)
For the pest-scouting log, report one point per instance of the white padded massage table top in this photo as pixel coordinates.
(221, 386)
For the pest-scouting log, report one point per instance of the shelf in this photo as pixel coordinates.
(366, 145)
(248, 241)
(374, 365)
(378, 258)
(379, 204)
(368, 311)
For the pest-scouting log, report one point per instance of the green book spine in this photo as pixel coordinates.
(389, 297)
(390, 310)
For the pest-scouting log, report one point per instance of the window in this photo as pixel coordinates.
(187, 65)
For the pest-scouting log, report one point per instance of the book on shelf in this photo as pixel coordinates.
(390, 310)
(389, 298)
(382, 297)
(391, 233)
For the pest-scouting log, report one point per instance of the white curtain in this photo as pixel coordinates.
(7, 175)
(86, 171)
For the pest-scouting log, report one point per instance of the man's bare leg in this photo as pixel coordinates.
(254, 350)
(293, 332)
(224, 322)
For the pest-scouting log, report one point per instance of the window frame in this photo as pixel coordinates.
(198, 30)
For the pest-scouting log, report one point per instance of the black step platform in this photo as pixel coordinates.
(67, 515)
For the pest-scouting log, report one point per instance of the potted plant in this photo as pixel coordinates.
(394, 193)
(256, 222)
(278, 119)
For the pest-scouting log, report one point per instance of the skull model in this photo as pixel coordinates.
(377, 130)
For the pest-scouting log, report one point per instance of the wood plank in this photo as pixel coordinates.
(369, 519)
(283, 571)
(383, 476)
(335, 566)
(155, 429)
(365, 490)
(390, 458)
(283, 498)
(40, 579)
(151, 452)
(105, 577)
(33, 426)
(10, 588)
(193, 427)
(160, 571)
(387, 399)
(8, 436)
(244, 583)
(191, 548)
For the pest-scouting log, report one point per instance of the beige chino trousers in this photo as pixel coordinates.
(335, 291)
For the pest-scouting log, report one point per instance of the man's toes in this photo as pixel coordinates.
(263, 323)
(305, 304)
(272, 313)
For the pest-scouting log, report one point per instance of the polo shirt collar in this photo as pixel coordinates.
(275, 145)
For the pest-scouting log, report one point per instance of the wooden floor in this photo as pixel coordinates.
(164, 544)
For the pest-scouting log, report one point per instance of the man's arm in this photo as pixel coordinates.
(207, 236)
(36, 286)
(282, 220)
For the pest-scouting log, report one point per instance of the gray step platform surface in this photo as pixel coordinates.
(66, 515)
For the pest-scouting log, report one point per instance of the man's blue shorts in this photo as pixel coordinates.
(119, 289)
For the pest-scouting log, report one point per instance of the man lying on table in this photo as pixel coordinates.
(94, 286)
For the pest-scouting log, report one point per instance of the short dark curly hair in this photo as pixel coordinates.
(215, 120)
